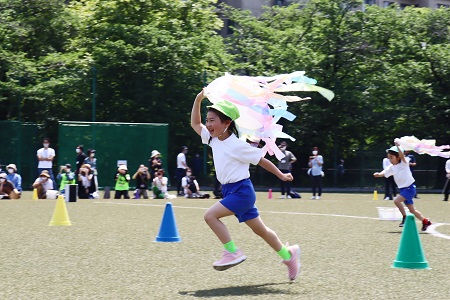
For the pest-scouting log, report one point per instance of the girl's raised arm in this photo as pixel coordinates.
(196, 118)
(400, 152)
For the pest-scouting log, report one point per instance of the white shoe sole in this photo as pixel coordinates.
(233, 263)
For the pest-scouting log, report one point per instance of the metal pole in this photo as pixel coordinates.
(94, 92)
(94, 87)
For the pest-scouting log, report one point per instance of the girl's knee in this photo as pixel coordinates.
(209, 217)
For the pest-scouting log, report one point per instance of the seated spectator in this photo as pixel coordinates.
(160, 186)
(7, 189)
(191, 186)
(14, 177)
(43, 184)
(142, 176)
(66, 176)
(86, 183)
(122, 182)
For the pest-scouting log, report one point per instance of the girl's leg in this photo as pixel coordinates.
(398, 201)
(415, 212)
(267, 234)
(289, 254)
(212, 216)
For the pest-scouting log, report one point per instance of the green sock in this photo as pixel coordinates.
(230, 246)
(284, 253)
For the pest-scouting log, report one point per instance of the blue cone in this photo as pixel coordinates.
(168, 231)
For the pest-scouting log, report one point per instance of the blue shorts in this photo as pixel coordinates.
(240, 198)
(408, 193)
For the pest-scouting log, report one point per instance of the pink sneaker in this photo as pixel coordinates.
(229, 260)
(294, 263)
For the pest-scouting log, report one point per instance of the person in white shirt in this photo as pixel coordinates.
(390, 188)
(45, 157)
(315, 164)
(159, 188)
(43, 184)
(232, 159)
(399, 168)
(181, 168)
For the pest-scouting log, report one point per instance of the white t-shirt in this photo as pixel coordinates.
(401, 172)
(161, 183)
(48, 185)
(45, 153)
(180, 159)
(386, 163)
(232, 157)
(447, 166)
(184, 184)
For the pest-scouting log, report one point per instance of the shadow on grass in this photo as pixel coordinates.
(399, 232)
(251, 290)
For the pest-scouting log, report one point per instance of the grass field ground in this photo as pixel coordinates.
(109, 251)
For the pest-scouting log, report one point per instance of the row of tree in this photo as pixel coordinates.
(144, 61)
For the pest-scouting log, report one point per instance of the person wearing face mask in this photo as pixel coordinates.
(43, 184)
(80, 158)
(15, 178)
(285, 166)
(315, 164)
(7, 189)
(45, 157)
(92, 161)
(191, 186)
(66, 176)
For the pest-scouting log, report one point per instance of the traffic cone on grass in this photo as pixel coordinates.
(35, 194)
(60, 215)
(375, 195)
(168, 231)
(410, 253)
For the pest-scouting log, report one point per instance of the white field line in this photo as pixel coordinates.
(431, 230)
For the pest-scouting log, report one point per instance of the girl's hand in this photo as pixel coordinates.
(377, 174)
(287, 177)
(201, 95)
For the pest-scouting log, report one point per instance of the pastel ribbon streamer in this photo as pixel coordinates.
(411, 143)
(260, 105)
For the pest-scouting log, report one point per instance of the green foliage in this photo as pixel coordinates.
(386, 83)
(144, 61)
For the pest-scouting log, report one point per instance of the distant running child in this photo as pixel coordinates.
(401, 172)
(232, 158)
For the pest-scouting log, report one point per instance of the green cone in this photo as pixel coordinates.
(410, 253)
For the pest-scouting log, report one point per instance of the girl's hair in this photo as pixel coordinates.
(393, 153)
(232, 128)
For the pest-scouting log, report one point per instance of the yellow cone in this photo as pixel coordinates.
(60, 215)
(375, 195)
(35, 195)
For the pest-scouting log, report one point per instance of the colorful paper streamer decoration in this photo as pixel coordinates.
(260, 104)
(411, 143)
